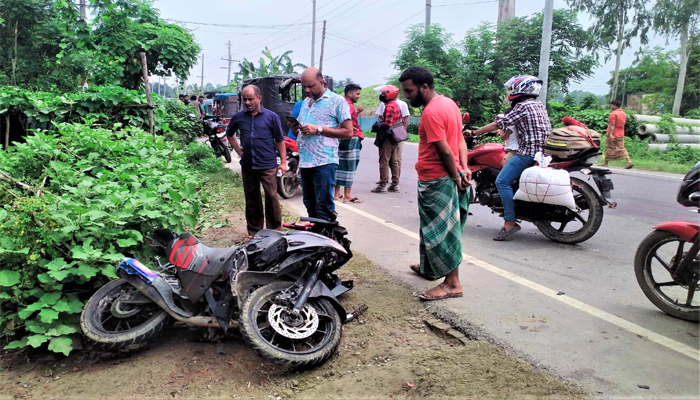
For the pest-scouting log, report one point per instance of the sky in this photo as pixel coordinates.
(362, 35)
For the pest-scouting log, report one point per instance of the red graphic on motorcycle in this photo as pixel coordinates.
(184, 253)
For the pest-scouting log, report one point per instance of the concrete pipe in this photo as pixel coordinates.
(653, 118)
(664, 147)
(663, 138)
(650, 129)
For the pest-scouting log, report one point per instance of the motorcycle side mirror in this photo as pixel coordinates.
(466, 118)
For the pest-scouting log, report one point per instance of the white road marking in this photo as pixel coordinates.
(593, 311)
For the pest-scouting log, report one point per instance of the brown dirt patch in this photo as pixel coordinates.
(381, 356)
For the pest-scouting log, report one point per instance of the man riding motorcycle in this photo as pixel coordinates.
(531, 120)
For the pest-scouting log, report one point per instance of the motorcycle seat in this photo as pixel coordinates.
(600, 169)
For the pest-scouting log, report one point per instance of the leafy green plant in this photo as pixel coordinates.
(91, 196)
(178, 121)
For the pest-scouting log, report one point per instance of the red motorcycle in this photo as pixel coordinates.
(672, 249)
(288, 184)
(557, 223)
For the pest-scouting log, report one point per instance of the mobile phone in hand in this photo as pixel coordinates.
(293, 121)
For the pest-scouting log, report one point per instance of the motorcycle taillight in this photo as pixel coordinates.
(219, 129)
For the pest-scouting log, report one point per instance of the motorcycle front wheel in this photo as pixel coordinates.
(656, 258)
(115, 326)
(298, 341)
(581, 225)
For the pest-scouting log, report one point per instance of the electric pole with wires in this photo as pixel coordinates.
(230, 61)
(83, 12)
(323, 43)
(428, 7)
(313, 36)
(546, 47)
(506, 10)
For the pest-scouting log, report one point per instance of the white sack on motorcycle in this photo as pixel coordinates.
(546, 185)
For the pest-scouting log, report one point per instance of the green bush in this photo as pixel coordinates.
(203, 158)
(178, 124)
(693, 113)
(102, 192)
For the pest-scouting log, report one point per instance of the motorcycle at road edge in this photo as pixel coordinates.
(674, 246)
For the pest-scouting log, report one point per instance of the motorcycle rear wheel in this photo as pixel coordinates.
(226, 153)
(113, 327)
(647, 252)
(288, 184)
(306, 351)
(583, 192)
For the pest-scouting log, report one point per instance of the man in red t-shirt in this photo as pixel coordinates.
(443, 177)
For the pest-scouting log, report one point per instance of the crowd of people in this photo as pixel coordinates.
(330, 139)
(201, 105)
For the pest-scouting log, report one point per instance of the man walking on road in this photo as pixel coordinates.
(324, 118)
(349, 149)
(405, 114)
(443, 177)
(389, 150)
(262, 138)
(615, 136)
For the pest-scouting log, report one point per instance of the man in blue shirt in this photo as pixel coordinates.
(325, 118)
(262, 138)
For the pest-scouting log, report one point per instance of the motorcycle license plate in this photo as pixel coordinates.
(607, 184)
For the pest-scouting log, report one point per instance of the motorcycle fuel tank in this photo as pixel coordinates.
(489, 154)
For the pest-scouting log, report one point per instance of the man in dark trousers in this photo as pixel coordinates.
(262, 139)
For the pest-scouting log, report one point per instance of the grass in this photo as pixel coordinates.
(679, 160)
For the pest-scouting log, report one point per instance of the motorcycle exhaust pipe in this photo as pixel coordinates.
(152, 293)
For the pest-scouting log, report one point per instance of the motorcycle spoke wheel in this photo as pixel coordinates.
(656, 264)
(115, 317)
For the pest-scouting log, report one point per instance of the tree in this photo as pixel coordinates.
(121, 29)
(47, 54)
(678, 18)
(616, 21)
(473, 72)
(267, 65)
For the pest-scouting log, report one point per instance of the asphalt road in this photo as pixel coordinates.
(507, 300)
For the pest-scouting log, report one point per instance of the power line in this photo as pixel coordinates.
(238, 26)
(356, 41)
(378, 12)
(252, 46)
(376, 36)
(326, 17)
(467, 4)
(363, 48)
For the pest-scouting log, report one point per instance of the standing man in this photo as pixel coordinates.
(615, 136)
(443, 177)
(262, 138)
(194, 103)
(325, 118)
(388, 148)
(349, 149)
(405, 114)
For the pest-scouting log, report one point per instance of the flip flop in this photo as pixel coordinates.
(416, 268)
(338, 198)
(449, 294)
(353, 200)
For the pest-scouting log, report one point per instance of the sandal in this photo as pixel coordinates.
(338, 198)
(449, 294)
(416, 268)
(353, 200)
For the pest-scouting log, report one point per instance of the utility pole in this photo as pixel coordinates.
(313, 37)
(83, 13)
(428, 7)
(230, 61)
(202, 76)
(544, 50)
(323, 43)
(506, 10)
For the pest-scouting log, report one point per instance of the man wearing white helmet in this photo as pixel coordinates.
(531, 120)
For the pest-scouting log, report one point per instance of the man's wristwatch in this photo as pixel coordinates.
(319, 130)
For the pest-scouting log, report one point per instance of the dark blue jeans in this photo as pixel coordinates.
(504, 182)
(318, 186)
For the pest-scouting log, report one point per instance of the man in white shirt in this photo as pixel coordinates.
(405, 113)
